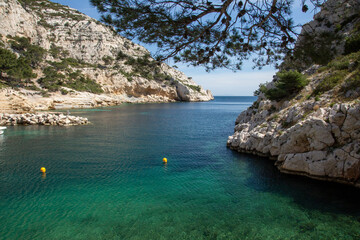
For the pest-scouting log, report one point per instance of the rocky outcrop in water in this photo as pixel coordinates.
(314, 132)
(41, 119)
(72, 54)
(323, 141)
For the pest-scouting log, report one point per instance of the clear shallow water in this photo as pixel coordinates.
(107, 181)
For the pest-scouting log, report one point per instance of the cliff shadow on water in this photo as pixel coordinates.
(309, 193)
(308, 116)
(107, 180)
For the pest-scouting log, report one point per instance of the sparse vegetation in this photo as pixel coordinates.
(72, 62)
(274, 117)
(352, 83)
(44, 93)
(262, 89)
(32, 53)
(60, 10)
(121, 55)
(57, 52)
(64, 91)
(342, 70)
(288, 83)
(19, 62)
(352, 43)
(129, 76)
(145, 67)
(263, 125)
(45, 24)
(322, 69)
(108, 60)
(194, 87)
(54, 80)
(162, 76)
(286, 124)
(339, 65)
(84, 84)
(16, 69)
(330, 81)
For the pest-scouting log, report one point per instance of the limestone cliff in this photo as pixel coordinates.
(315, 130)
(83, 63)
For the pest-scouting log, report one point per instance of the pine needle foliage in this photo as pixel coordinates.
(214, 34)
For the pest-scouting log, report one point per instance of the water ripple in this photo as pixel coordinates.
(107, 181)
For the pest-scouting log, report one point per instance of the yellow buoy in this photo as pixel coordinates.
(43, 170)
(164, 160)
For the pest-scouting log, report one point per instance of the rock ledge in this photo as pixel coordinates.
(41, 119)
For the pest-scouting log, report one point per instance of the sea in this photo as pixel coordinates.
(106, 180)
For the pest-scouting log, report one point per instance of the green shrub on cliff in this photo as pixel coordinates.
(58, 52)
(54, 80)
(288, 83)
(330, 81)
(70, 62)
(32, 53)
(352, 83)
(84, 84)
(194, 87)
(22, 70)
(108, 60)
(15, 68)
(341, 70)
(19, 70)
(262, 89)
(352, 43)
(7, 60)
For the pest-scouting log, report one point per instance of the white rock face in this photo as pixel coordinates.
(325, 144)
(87, 40)
(314, 136)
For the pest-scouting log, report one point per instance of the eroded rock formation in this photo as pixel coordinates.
(316, 131)
(80, 48)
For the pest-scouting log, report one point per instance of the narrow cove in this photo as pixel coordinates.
(107, 181)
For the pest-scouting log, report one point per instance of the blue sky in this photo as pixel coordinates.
(221, 82)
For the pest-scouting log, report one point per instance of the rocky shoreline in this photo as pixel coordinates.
(83, 64)
(315, 131)
(323, 145)
(49, 119)
(24, 100)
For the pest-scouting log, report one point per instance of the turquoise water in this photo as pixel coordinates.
(107, 181)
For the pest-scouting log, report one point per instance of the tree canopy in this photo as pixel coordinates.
(15, 68)
(211, 33)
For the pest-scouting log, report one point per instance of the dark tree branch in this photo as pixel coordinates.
(217, 33)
